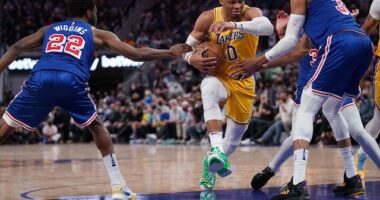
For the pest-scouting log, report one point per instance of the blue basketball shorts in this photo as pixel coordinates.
(48, 88)
(341, 63)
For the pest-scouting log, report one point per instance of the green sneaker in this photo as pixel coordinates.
(217, 162)
(208, 178)
(226, 170)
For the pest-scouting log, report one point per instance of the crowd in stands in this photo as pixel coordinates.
(24, 17)
(162, 103)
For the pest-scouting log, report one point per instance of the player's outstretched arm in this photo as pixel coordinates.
(109, 39)
(256, 24)
(26, 43)
(301, 50)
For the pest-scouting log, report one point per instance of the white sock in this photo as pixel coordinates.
(300, 162)
(113, 170)
(348, 160)
(216, 140)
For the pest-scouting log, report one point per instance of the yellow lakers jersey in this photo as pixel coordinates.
(235, 44)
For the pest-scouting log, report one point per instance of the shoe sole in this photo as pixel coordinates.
(215, 163)
(341, 194)
(225, 173)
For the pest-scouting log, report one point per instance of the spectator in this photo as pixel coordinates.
(50, 133)
(283, 122)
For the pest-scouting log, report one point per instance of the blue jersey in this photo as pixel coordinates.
(326, 17)
(68, 46)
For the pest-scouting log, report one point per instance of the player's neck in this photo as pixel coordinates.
(228, 18)
(79, 19)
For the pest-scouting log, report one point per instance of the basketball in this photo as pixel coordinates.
(209, 49)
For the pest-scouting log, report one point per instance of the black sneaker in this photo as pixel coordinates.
(293, 192)
(351, 187)
(261, 178)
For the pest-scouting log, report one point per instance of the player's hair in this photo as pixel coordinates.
(78, 8)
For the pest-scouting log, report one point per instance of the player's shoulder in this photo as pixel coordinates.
(43, 29)
(207, 15)
(204, 21)
(101, 32)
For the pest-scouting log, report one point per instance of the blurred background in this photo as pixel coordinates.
(155, 102)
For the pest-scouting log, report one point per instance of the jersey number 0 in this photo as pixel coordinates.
(72, 45)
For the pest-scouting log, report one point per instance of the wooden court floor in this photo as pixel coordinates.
(56, 171)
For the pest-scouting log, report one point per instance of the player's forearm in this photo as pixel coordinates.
(9, 56)
(290, 40)
(288, 58)
(147, 54)
(258, 26)
(193, 42)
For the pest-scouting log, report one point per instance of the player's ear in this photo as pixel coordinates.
(89, 13)
(221, 2)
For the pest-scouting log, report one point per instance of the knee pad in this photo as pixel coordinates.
(338, 124)
(355, 126)
(303, 129)
(310, 106)
(294, 118)
(213, 92)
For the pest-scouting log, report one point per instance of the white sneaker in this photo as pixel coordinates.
(122, 193)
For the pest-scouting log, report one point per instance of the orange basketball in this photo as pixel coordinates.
(209, 49)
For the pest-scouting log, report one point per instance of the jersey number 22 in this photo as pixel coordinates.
(72, 45)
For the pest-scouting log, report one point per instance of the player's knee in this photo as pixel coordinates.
(213, 91)
(329, 112)
(96, 125)
(303, 129)
(212, 112)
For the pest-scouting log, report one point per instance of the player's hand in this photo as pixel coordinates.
(245, 69)
(219, 27)
(205, 65)
(179, 49)
(282, 20)
(354, 13)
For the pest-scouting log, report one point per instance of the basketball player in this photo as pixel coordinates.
(60, 78)
(235, 27)
(373, 126)
(345, 52)
(348, 109)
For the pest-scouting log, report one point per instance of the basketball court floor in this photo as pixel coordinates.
(159, 173)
